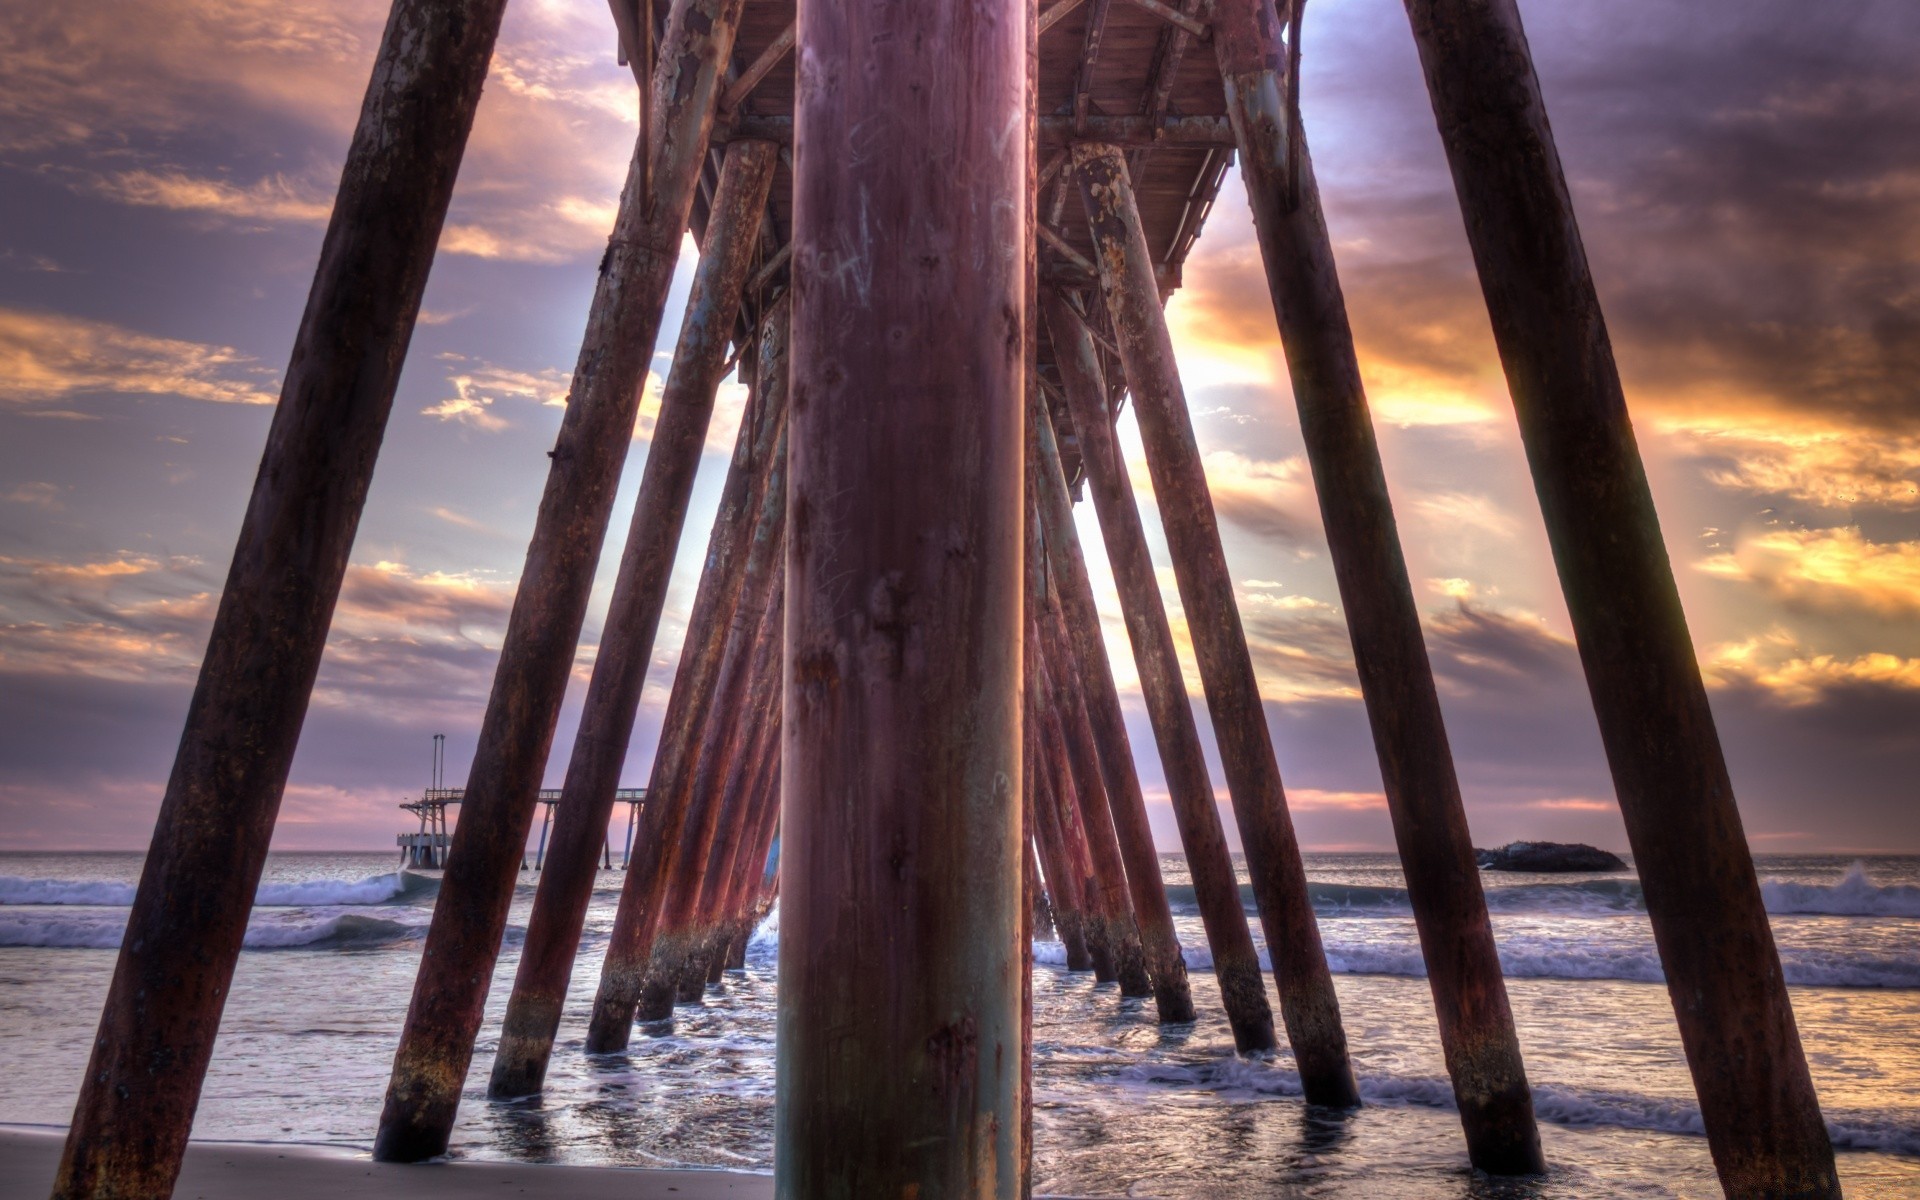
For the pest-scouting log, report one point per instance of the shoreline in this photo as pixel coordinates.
(29, 1155)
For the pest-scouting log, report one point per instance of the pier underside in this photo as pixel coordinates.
(937, 240)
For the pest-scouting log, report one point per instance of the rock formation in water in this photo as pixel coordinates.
(1549, 856)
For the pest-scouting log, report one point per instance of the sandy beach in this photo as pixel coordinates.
(247, 1171)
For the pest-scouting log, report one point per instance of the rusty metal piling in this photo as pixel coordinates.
(669, 798)
(1216, 888)
(633, 618)
(184, 932)
(543, 630)
(1308, 1004)
(1086, 649)
(1109, 877)
(750, 641)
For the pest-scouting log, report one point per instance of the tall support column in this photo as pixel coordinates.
(1308, 1003)
(633, 618)
(1762, 1117)
(1096, 816)
(749, 534)
(189, 917)
(1216, 888)
(901, 1025)
(543, 630)
(1409, 734)
(1086, 648)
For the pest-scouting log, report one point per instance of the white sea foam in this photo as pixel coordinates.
(1853, 896)
(374, 889)
(15, 890)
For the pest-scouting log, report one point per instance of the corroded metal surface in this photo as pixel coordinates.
(1086, 648)
(633, 617)
(1109, 877)
(1762, 1117)
(1056, 787)
(750, 642)
(1216, 890)
(470, 916)
(184, 932)
(1308, 1005)
(900, 1009)
(1409, 734)
(657, 848)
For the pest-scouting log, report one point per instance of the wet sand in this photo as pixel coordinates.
(247, 1171)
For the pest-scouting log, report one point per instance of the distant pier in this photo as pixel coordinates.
(428, 846)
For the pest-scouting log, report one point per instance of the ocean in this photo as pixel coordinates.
(1122, 1107)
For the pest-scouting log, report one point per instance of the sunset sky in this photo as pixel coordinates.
(1747, 176)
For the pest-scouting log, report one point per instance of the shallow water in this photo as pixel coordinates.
(1122, 1107)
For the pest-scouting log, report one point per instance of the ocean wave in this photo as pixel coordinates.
(103, 931)
(15, 890)
(374, 889)
(1556, 1104)
(1853, 896)
(1572, 959)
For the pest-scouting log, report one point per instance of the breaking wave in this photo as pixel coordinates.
(103, 931)
(1853, 896)
(374, 889)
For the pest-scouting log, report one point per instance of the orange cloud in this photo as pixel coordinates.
(46, 358)
(1834, 569)
(1776, 662)
(1772, 454)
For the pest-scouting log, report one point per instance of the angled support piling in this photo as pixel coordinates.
(663, 823)
(1096, 815)
(184, 932)
(1216, 889)
(1308, 1004)
(901, 1029)
(543, 631)
(1757, 1101)
(1086, 650)
(1477, 1033)
(1056, 789)
(702, 778)
(736, 820)
(633, 618)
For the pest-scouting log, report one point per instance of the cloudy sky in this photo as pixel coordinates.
(1747, 174)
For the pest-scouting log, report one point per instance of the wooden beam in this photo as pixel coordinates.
(1055, 131)
(1173, 16)
(1054, 12)
(1064, 248)
(749, 79)
(1236, 966)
